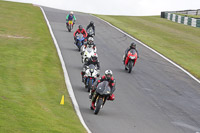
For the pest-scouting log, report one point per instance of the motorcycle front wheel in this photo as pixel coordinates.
(98, 106)
(130, 66)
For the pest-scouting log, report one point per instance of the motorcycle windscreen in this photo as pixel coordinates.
(90, 31)
(133, 51)
(103, 88)
(89, 50)
(80, 37)
(91, 66)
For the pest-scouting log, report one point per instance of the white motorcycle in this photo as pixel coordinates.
(87, 53)
(90, 76)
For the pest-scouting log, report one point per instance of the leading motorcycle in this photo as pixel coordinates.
(70, 25)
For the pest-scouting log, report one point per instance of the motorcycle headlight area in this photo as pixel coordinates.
(91, 70)
(132, 57)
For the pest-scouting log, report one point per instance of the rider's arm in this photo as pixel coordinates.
(137, 53)
(67, 17)
(88, 26)
(113, 86)
(94, 29)
(74, 18)
(75, 33)
(98, 65)
(85, 33)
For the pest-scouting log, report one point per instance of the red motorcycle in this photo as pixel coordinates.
(130, 60)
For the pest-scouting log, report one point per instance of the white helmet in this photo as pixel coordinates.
(108, 74)
(90, 40)
(71, 12)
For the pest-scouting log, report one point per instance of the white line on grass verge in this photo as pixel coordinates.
(151, 50)
(67, 80)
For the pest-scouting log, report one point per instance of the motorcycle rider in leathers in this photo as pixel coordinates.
(80, 30)
(91, 43)
(107, 77)
(91, 24)
(132, 46)
(70, 17)
(93, 60)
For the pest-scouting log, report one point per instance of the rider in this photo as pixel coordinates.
(132, 46)
(107, 77)
(80, 30)
(89, 43)
(70, 17)
(91, 24)
(93, 60)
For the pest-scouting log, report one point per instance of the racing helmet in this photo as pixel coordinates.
(90, 40)
(133, 45)
(71, 13)
(91, 23)
(80, 27)
(94, 57)
(108, 74)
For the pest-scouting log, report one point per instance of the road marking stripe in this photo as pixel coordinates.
(67, 80)
(151, 49)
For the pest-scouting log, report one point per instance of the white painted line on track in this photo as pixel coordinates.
(67, 80)
(151, 49)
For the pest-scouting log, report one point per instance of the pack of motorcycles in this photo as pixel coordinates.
(102, 91)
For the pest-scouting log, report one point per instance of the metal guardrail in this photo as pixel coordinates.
(186, 12)
(189, 12)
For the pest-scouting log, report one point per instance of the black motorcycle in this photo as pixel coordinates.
(100, 96)
(90, 32)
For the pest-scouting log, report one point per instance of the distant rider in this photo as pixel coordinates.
(70, 17)
(107, 77)
(93, 60)
(91, 24)
(80, 30)
(132, 46)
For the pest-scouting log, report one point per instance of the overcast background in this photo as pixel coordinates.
(119, 7)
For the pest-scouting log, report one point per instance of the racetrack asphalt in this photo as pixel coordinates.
(156, 97)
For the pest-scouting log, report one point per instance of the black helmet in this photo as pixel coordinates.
(91, 23)
(80, 27)
(108, 74)
(133, 45)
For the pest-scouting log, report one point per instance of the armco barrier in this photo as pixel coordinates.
(195, 22)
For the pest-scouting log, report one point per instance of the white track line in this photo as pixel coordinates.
(67, 80)
(151, 50)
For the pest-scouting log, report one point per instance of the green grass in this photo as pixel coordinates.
(31, 77)
(180, 43)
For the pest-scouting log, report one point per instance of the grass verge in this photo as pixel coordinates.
(31, 77)
(178, 42)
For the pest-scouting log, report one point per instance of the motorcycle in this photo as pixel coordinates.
(90, 76)
(87, 53)
(90, 32)
(80, 39)
(100, 96)
(130, 60)
(70, 25)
